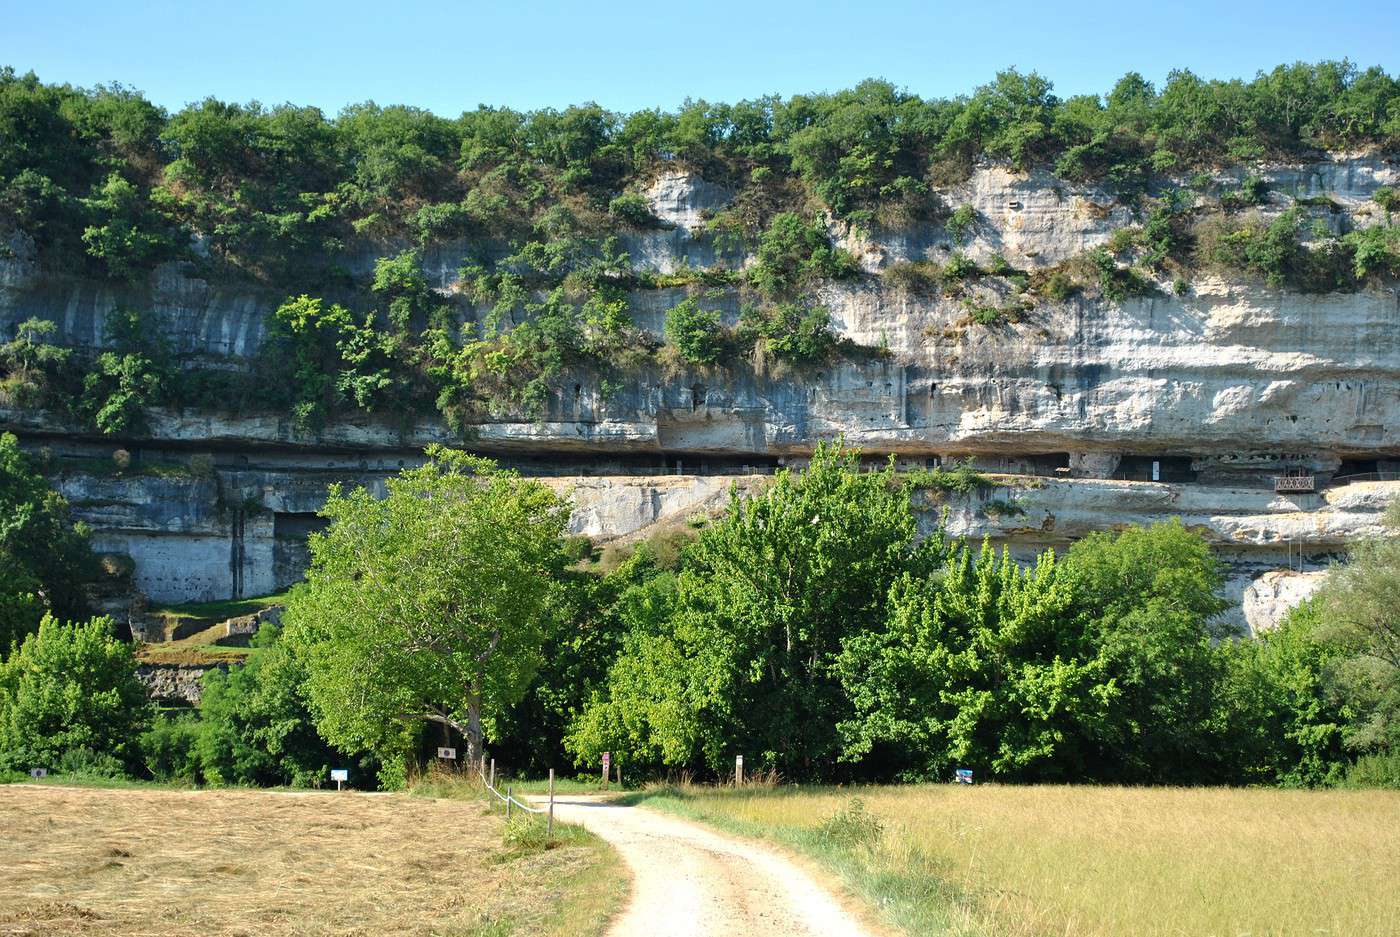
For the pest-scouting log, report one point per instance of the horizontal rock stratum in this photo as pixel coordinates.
(1187, 402)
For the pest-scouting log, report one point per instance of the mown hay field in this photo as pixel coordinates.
(223, 863)
(1092, 861)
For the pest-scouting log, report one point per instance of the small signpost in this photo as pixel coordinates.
(340, 776)
(607, 768)
(449, 754)
(964, 776)
(738, 770)
(38, 772)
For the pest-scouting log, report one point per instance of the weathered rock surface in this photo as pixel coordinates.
(1273, 595)
(1225, 386)
(175, 684)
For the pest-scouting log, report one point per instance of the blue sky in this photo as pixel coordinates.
(451, 56)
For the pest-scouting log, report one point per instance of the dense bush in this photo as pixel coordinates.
(70, 686)
(698, 334)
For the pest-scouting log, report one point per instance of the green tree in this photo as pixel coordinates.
(71, 685)
(131, 378)
(1358, 612)
(975, 668)
(45, 561)
(256, 726)
(698, 334)
(431, 604)
(1146, 599)
(745, 661)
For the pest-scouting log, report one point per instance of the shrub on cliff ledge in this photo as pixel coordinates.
(698, 334)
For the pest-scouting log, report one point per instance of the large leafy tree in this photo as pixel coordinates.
(744, 659)
(975, 668)
(1358, 620)
(1146, 599)
(45, 561)
(432, 604)
(70, 686)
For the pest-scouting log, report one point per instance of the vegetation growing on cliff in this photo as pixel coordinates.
(546, 208)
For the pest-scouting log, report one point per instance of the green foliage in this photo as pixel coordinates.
(793, 251)
(959, 222)
(1387, 198)
(135, 375)
(973, 670)
(633, 209)
(33, 367)
(962, 478)
(45, 561)
(431, 604)
(960, 267)
(698, 334)
(170, 748)
(1146, 599)
(1375, 251)
(129, 238)
(1270, 251)
(790, 331)
(1116, 283)
(70, 686)
(739, 654)
(256, 726)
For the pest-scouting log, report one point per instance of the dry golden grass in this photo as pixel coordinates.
(1095, 862)
(225, 863)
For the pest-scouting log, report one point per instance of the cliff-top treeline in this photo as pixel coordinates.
(102, 184)
(104, 174)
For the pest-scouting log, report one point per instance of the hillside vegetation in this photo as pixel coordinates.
(538, 209)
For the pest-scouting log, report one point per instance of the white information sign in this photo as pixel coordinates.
(340, 776)
(447, 753)
(38, 772)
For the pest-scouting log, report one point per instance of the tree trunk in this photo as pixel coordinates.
(473, 734)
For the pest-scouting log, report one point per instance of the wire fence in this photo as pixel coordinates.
(509, 799)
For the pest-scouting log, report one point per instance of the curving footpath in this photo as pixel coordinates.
(690, 881)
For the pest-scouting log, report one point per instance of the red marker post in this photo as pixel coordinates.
(607, 766)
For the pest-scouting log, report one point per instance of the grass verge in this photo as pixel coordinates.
(1087, 861)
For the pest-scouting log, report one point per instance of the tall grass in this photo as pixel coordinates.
(1091, 862)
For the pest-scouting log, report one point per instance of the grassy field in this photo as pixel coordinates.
(1090, 862)
(222, 863)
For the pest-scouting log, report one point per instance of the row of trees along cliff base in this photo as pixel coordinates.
(809, 627)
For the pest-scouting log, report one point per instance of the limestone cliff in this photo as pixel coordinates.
(1186, 402)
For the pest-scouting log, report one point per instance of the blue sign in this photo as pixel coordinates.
(964, 776)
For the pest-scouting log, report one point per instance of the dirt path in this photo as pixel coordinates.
(690, 881)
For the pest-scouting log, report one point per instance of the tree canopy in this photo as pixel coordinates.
(430, 604)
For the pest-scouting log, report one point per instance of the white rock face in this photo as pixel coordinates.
(1274, 594)
(681, 198)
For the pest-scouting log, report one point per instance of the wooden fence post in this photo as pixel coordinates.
(549, 828)
(738, 770)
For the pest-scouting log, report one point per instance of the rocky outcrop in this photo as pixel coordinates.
(1273, 595)
(175, 684)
